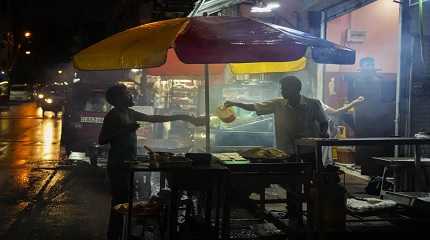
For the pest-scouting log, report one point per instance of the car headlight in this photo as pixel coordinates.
(48, 100)
(40, 96)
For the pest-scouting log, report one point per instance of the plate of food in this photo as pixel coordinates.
(268, 154)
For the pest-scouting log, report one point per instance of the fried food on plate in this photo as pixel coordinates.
(264, 153)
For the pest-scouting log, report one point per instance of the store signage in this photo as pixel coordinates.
(91, 119)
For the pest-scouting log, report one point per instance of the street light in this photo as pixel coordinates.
(262, 7)
(27, 34)
(27, 52)
(60, 71)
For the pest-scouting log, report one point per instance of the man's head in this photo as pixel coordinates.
(290, 87)
(367, 64)
(119, 96)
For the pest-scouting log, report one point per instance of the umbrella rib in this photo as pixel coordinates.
(125, 48)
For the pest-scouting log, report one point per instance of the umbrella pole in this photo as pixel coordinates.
(208, 136)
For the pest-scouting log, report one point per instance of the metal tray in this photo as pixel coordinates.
(406, 198)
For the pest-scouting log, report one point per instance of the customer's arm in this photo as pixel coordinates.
(198, 121)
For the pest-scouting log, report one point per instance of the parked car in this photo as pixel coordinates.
(52, 98)
(20, 92)
(4, 90)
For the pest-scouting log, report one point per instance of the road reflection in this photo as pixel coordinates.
(51, 133)
(27, 141)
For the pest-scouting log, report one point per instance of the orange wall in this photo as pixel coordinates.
(381, 21)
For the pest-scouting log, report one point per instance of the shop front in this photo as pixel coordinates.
(374, 77)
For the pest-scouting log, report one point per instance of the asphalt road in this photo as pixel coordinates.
(42, 196)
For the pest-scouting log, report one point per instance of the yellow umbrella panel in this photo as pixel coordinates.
(268, 67)
(139, 47)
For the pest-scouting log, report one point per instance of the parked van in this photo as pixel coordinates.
(83, 117)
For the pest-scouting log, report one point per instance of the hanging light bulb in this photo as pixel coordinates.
(262, 7)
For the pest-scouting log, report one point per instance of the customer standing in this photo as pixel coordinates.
(119, 130)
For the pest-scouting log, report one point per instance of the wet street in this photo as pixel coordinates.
(41, 195)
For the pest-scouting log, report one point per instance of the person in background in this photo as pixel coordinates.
(333, 114)
(119, 130)
(378, 108)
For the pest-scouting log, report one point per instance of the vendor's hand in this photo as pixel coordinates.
(229, 104)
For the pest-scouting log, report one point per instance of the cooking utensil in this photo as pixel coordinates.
(148, 149)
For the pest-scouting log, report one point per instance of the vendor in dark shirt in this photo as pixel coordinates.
(119, 130)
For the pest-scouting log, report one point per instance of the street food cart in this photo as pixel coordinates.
(211, 40)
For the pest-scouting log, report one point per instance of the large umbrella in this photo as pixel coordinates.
(175, 67)
(206, 40)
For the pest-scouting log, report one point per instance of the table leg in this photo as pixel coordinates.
(226, 209)
(173, 219)
(218, 204)
(162, 180)
(208, 209)
(298, 148)
(263, 199)
(130, 204)
(318, 158)
(396, 176)
(419, 178)
(417, 155)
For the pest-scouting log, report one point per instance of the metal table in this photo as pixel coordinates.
(317, 144)
(319, 170)
(296, 175)
(401, 167)
(211, 177)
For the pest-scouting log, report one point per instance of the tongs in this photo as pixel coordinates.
(148, 149)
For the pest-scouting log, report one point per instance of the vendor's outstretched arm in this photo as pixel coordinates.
(245, 106)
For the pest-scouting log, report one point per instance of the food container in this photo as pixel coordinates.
(226, 115)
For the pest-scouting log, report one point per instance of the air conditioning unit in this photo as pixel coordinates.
(415, 2)
(355, 36)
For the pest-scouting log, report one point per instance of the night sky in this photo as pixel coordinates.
(62, 28)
